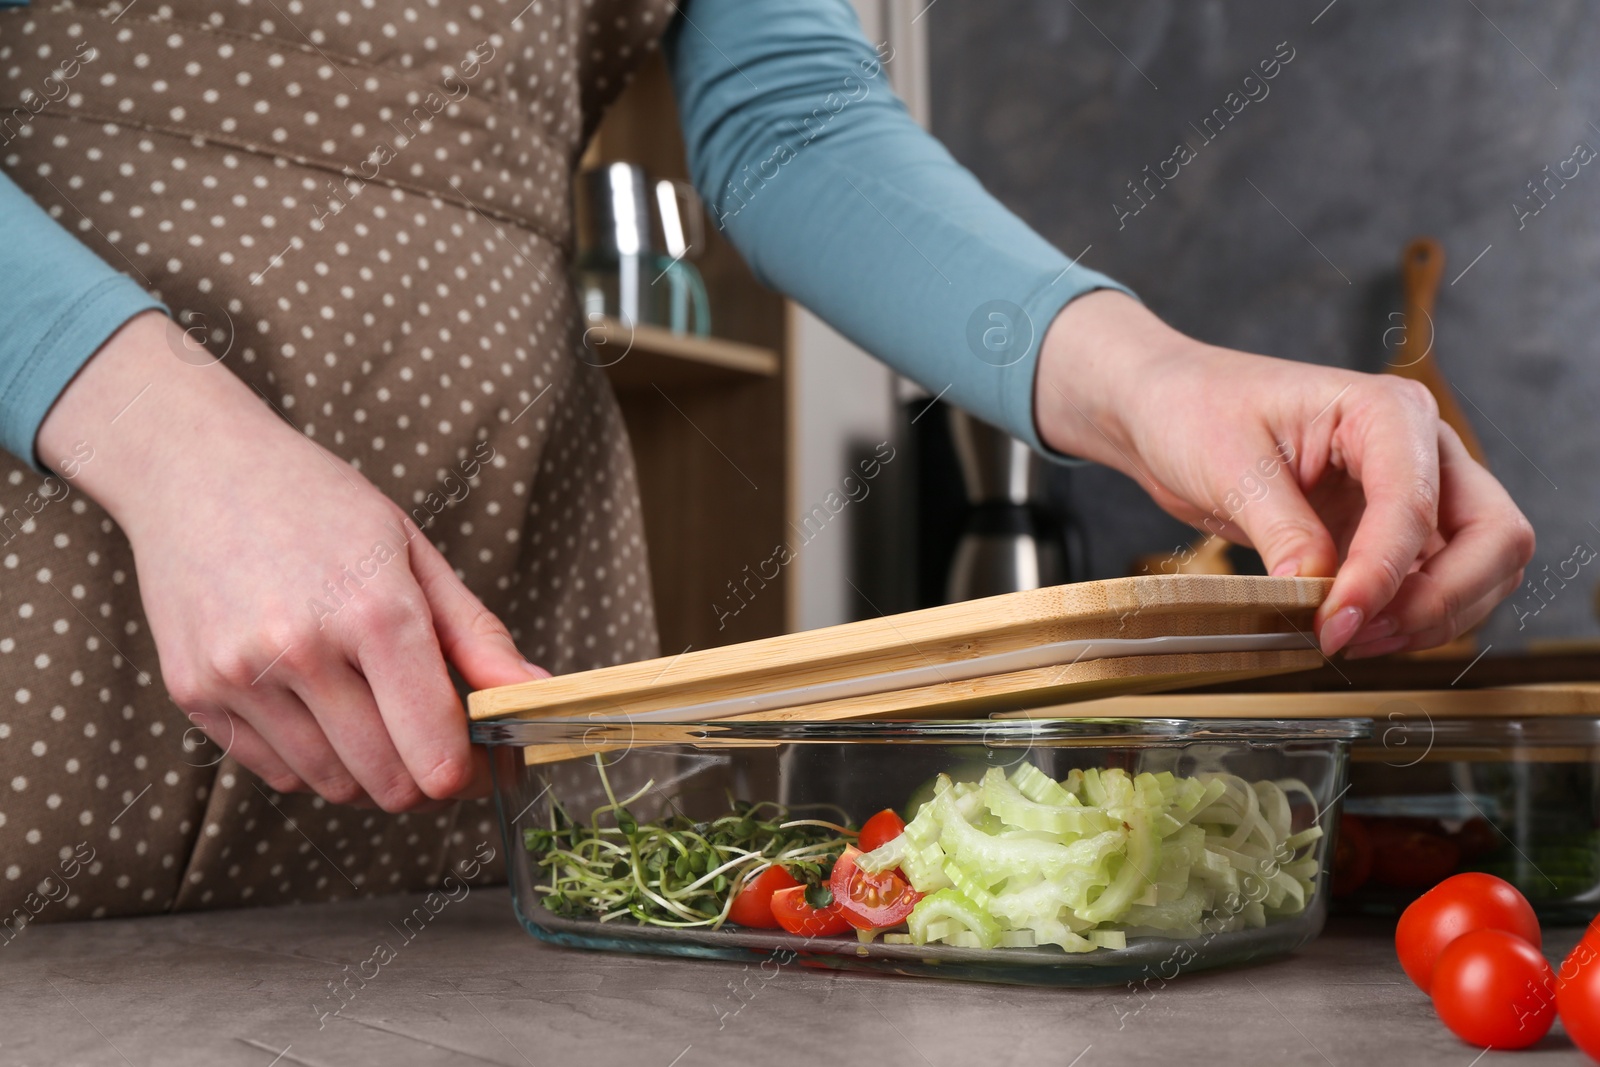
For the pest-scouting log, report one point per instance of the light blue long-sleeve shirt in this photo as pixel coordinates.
(806, 159)
(59, 302)
(836, 197)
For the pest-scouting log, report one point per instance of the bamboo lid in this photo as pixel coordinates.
(1048, 646)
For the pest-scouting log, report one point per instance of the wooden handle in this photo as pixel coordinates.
(1421, 269)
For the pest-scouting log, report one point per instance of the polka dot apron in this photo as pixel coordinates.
(365, 206)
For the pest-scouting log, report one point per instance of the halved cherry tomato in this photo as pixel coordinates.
(1494, 990)
(1454, 907)
(871, 901)
(753, 905)
(797, 915)
(881, 829)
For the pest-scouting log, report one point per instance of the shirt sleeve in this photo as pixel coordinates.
(59, 303)
(815, 171)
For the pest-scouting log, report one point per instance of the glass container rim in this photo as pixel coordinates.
(1509, 731)
(1085, 730)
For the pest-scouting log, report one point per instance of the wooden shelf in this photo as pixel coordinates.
(657, 356)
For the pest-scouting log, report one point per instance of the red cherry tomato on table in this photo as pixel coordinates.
(871, 901)
(1494, 990)
(881, 829)
(798, 916)
(1591, 935)
(1578, 995)
(753, 904)
(1454, 907)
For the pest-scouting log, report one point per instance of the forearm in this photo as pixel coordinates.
(150, 402)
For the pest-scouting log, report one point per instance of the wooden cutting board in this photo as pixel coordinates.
(944, 639)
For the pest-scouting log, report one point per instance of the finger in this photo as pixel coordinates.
(287, 725)
(1440, 635)
(1487, 542)
(395, 649)
(237, 738)
(1391, 445)
(482, 782)
(343, 705)
(1287, 533)
(471, 637)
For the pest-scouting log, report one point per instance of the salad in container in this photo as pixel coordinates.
(1068, 851)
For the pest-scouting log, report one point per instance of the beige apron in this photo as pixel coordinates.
(365, 204)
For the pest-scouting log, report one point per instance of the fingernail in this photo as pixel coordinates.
(1287, 569)
(1369, 649)
(1376, 630)
(1338, 630)
(536, 670)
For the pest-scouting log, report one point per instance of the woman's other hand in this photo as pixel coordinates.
(301, 618)
(1322, 471)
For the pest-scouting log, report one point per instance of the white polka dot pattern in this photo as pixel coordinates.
(409, 313)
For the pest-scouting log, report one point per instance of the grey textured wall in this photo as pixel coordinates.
(1391, 120)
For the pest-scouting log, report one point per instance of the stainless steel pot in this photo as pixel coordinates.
(1011, 538)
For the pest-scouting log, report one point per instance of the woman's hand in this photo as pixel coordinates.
(1309, 465)
(301, 618)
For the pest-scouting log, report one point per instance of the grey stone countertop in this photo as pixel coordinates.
(250, 987)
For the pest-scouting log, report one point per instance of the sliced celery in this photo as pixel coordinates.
(967, 885)
(948, 905)
(1039, 787)
(968, 939)
(1109, 938)
(924, 867)
(887, 855)
(1022, 859)
(1014, 809)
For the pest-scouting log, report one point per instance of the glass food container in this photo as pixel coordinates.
(1070, 852)
(1430, 797)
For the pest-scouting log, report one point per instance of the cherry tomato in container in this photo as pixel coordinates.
(881, 829)
(753, 905)
(1494, 990)
(1454, 907)
(1352, 857)
(1578, 995)
(1412, 859)
(871, 901)
(802, 917)
(1477, 837)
